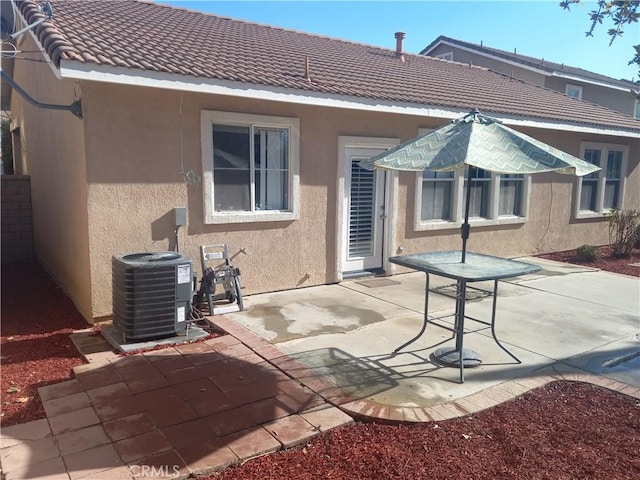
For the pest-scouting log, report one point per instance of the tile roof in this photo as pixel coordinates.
(141, 35)
(533, 62)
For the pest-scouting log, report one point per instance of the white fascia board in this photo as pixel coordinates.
(566, 127)
(576, 78)
(142, 78)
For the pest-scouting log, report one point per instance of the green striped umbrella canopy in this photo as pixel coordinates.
(478, 141)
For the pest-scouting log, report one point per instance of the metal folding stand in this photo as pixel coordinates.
(220, 272)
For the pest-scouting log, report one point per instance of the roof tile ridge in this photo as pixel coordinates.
(52, 40)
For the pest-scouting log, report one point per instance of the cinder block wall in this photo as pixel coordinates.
(17, 231)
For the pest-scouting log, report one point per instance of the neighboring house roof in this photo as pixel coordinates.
(137, 40)
(540, 65)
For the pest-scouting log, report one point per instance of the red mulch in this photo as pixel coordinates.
(563, 430)
(606, 262)
(37, 318)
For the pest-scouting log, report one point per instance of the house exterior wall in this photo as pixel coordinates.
(618, 100)
(551, 225)
(52, 154)
(464, 56)
(143, 139)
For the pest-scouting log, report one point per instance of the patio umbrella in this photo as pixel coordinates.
(477, 141)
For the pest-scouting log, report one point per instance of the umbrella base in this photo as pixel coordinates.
(450, 357)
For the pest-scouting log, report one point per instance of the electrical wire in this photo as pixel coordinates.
(541, 241)
(190, 177)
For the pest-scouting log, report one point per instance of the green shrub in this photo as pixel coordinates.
(588, 253)
(7, 150)
(623, 231)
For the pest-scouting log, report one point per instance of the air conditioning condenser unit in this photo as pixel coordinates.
(152, 294)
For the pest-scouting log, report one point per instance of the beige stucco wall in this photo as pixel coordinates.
(135, 182)
(618, 100)
(135, 160)
(52, 153)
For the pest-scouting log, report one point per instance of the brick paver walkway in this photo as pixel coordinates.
(200, 407)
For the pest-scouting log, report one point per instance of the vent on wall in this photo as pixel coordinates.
(152, 294)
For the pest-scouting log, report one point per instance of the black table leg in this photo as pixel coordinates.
(493, 323)
(458, 356)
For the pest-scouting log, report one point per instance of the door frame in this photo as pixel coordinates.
(389, 224)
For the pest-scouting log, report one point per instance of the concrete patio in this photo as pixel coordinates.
(564, 316)
(298, 363)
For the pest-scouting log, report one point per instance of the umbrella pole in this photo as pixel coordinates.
(466, 228)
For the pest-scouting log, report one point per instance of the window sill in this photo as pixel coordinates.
(474, 222)
(250, 217)
(589, 214)
(505, 220)
(511, 219)
(436, 225)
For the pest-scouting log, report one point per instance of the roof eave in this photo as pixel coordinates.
(590, 81)
(548, 72)
(477, 51)
(142, 78)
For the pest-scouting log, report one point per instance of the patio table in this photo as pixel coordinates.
(477, 268)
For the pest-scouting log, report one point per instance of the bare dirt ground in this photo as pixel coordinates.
(561, 431)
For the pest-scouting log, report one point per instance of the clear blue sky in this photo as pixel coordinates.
(540, 29)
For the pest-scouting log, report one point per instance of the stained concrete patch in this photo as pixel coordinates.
(377, 282)
(618, 360)
(284, 316)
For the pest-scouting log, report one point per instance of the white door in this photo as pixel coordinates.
(363, 231)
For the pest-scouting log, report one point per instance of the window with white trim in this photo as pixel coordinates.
(445, 56)
(603, 190)
(636, 109)
(511, 192)
(437, 196)
(495, 198)
(250, 167)
(479, 203)
(574, 91)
